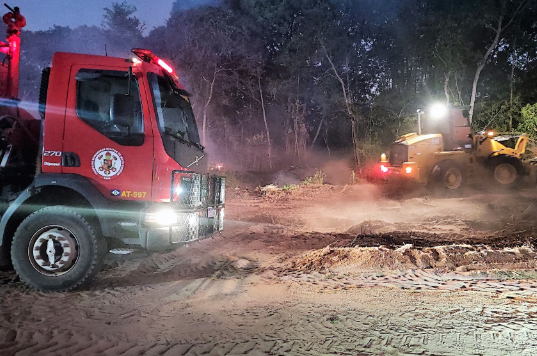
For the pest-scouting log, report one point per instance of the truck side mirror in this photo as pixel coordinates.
(122, 110)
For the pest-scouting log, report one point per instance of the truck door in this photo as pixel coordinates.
(108, 136)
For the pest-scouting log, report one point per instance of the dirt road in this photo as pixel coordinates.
(320, 270)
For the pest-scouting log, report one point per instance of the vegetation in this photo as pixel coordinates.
(273, 81)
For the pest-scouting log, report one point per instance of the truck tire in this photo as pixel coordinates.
(58, 233)
(447, 176)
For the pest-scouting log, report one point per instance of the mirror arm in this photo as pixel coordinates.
(129, 85)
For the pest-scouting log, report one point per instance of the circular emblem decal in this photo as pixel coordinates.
(107, 163)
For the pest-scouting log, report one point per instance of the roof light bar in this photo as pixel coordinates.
(164, 65)
(149, 57)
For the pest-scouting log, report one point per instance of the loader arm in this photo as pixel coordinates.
(520, 147)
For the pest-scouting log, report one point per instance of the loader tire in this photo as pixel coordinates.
(505, 172)
(447, 176)
(60, 234)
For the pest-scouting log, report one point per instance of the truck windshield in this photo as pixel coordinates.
(174, 112)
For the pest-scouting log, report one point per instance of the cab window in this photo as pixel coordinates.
(98, 93)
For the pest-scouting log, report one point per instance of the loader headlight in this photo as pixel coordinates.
(384, 169)
(408, 170)
(165, 217)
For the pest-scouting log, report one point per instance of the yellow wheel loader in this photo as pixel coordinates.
(453, 158)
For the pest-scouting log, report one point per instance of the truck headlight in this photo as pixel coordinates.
(165, 217)
(177, 190)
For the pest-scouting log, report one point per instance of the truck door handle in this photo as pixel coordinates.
(70, 159)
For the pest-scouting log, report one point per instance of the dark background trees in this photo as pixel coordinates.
(274, 81)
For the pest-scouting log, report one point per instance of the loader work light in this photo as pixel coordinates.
(408, 170)
(438, 111)
(384, 169)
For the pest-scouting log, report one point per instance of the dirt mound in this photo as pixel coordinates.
(447, 257)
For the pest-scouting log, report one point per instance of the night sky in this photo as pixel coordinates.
(43, 14)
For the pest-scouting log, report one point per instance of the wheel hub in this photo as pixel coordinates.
(453, 178)
(505, 173)
(53, 250)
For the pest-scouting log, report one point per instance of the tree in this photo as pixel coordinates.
(122, 29)
(499, 20)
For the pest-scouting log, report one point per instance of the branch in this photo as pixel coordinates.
(349, 111)
(442, 59)
(520, 7)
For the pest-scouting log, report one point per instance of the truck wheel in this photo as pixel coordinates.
(448, 176)
(505, 174)
(55, 249)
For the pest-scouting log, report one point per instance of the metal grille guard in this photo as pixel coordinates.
(199, 200)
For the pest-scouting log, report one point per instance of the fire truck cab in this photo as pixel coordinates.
(115, 159)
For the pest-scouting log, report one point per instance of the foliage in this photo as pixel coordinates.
(503, 116)
(121, 28)
(308, 76)
(317, 178)
(528, 122)
(290, 187)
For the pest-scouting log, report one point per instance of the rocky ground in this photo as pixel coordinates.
(309, 270)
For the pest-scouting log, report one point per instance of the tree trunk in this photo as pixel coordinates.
(511, 84)
(225, 140)
(316, 134)
(480, 67)
(511, 106)
(355, 143)
(349, 110)
(204, 125)
(326, 141)
(459, 93)
(295, 129)
(446, 87)
(265, 120)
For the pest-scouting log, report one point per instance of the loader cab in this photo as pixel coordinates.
(455, 129)
(124, 124)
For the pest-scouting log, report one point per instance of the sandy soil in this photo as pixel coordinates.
(346, 270)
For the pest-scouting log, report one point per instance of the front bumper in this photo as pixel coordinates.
(195, 213)
(191, 225)
(407, 172)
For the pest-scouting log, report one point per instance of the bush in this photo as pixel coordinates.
(318, 178)
(528, 123)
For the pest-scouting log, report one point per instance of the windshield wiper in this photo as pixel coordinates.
(179, 135)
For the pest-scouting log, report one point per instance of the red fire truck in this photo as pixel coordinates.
(114, 159)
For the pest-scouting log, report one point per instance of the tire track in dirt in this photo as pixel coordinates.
(288, 328)
(422, 280)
